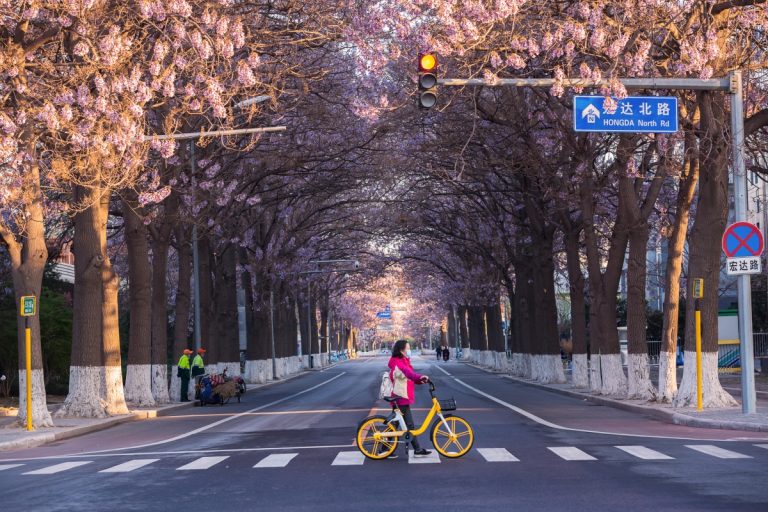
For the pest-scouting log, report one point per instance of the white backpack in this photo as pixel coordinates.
(385, 390)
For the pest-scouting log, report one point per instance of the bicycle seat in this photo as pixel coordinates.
(391, 399)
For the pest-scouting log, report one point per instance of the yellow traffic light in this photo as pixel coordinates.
(427, 62)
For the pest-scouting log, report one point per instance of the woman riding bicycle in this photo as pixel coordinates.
(401, 359)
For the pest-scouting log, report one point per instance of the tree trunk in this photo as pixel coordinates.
(704, 262)
(607, 375)
(207, 316)
(639, 378)
(675, 249)
(258, 365)
(95, 378)
(580, 369)
(160, 247)
(28, 259)
(548, 366)
(226, 308)
(451, 328)
(138, 377)
(463, 330)
(521, 358)
(181, 335)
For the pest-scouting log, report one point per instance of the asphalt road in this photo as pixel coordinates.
(290, 447)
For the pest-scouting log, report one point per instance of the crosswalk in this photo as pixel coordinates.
(353, 457)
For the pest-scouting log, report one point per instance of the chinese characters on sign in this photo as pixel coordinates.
(738, 266)
(635, 114)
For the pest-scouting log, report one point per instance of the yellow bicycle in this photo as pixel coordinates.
(452, 436)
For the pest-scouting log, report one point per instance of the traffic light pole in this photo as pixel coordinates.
(731, 84)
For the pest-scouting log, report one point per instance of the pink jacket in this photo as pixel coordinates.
(405, 366)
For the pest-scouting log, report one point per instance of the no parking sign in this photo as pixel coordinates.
(743, 245)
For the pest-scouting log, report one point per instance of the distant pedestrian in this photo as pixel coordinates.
(183, 372)
(439, 352)
(446, 353)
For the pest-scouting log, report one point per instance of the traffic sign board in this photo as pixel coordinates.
(633, 114)
(742, 240)
(28, 306)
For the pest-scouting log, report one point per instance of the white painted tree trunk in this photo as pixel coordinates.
(527, 366)
(516, 367)
(113, 391)
(138, 385)
(160, 383)
(595, 374)
(713, 393)
(639, 378)
(94, 392)
(174, 392)
(40, 415)
(466, 354)
(614, 382)
(233, 369)
(580, 371)
(258, 371)
(547, 368)
(667, 377)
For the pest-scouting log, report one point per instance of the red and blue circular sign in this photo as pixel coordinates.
(742, 240)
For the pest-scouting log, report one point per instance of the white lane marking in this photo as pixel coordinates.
(497, 455)
(542, 421)
(276, 460)
(3, 467)
(716, 451)
(191, 452)
(127, 467)
(207, 427)
(570, 453)
(432, 458)
(202, 463)
(762, 446)
(441, 369)
(58, 468)
(641, 452)
(348, 459)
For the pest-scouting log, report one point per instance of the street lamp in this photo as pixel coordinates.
(193, 165)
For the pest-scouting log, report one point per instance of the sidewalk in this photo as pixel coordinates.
(730, 418)
(14, 437)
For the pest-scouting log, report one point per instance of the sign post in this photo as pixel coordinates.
(743, 244)
(698, 293)
(28, 308)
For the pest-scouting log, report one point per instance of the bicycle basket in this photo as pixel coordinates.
(447, 405)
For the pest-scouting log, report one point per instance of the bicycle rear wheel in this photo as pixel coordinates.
(367, 442)
(453, 443)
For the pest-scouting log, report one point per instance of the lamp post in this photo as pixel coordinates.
(191, 136)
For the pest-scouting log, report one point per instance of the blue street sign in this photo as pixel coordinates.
(384, 314)
(633, 114)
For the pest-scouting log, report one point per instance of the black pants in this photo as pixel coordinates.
(184, 374)
(408, 417)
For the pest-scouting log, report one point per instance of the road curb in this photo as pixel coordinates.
(673, 417)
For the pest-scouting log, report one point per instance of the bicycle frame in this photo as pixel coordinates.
(398, 417)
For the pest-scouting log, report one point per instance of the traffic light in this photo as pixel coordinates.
(427, 80)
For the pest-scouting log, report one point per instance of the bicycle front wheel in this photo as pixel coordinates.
(368, 443)
(454, 442)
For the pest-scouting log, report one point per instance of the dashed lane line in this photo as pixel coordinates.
(131, 465)
(497, 455)
(58, 468)
(570, 453)
(641, 452)
(348, 459)
(276, 460)
(716, 451)
(202, 463)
